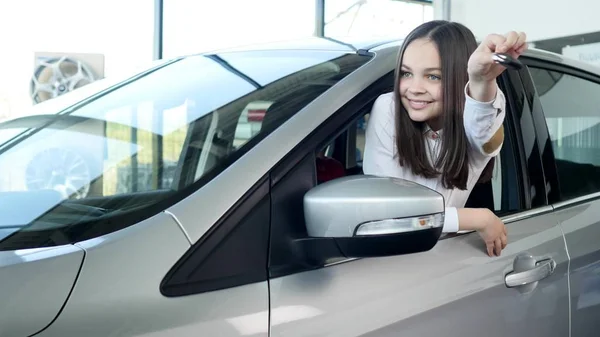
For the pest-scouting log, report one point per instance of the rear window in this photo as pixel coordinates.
(143, 146)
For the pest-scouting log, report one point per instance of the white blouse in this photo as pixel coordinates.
(481, 121)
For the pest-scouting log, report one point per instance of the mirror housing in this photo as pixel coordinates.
(370, 216)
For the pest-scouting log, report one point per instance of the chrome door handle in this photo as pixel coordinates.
(541, 270)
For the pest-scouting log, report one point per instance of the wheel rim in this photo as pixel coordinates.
(62, 170)
(55, 77)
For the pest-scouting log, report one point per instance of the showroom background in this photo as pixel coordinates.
(116, 38)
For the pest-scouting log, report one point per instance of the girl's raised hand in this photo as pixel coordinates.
(482, 68)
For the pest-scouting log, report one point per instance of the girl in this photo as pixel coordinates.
(442, 124)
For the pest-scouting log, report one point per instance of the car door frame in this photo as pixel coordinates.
(284, 257)
(295, 175)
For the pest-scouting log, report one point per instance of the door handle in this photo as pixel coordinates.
(528, 271)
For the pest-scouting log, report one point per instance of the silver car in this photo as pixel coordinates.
(222, 195)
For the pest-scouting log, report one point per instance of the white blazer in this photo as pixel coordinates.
(482, 120)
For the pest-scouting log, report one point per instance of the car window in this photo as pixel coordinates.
(499, 194)
(146, 144)
(570, 105)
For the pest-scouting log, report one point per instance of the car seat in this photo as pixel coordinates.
(284, 108)
(328, 169)
(482, 196)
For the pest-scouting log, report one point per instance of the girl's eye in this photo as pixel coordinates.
(434, 77)
(405, 74)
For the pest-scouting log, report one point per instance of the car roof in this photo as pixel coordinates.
(347, 43)
(353, 44)
(560, 59)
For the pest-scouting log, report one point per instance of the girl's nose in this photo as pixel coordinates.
(416, 86)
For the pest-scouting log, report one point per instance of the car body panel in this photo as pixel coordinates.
(452, 290)
(580, 220)
(342, 43)
(578, 215)
(36, 283)
(119, 283)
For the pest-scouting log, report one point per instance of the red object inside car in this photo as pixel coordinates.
(329, 169)
(256, 115)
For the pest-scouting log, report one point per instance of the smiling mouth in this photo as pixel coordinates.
(418, 104)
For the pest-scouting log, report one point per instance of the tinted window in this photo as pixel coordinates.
(141, 147)
(572, 110)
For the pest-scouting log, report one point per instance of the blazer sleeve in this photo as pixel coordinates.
(483, 123)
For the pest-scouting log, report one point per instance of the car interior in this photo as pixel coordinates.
(343, 157)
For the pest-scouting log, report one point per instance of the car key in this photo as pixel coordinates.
(507, 61)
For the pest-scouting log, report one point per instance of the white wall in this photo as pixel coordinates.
(123, 31)
(120, 30)
(540, 19)
(382, 18)
(194, 26)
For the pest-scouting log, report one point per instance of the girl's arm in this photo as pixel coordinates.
(483, 90)
(483, 118)
(487, 224)
(483, 121)
(485, 102)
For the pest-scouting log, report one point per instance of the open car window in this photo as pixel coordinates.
(144, 145)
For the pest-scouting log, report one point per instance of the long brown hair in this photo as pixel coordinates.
(455, 44)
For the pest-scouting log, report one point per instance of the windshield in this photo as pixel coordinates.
(137, 149)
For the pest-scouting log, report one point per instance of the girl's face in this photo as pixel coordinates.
(421, 83)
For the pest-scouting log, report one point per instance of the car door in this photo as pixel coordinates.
(567, 108)
(25, 294)
(454, 289)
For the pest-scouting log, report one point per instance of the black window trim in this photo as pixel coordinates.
(552, 185)
(514, 134)
(532, 170)
(511, 84)
(177, 282)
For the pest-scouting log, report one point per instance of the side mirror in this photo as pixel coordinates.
(369, 216)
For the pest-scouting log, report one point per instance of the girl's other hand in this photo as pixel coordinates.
(491, 229)
(493, 232)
